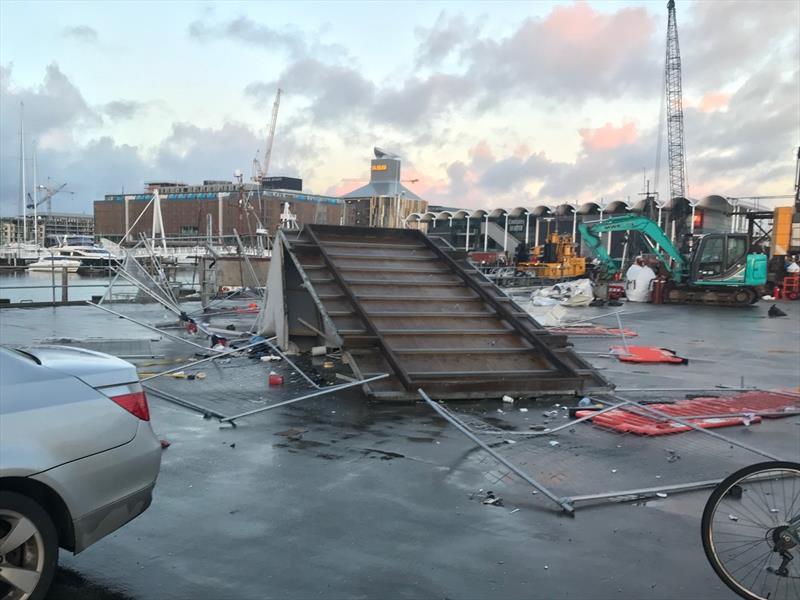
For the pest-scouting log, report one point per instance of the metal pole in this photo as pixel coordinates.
(622, 333)
(64, 285)
(181, 402)
(466, 242)
(705, 389)
(536, 242)
(486, 235)
(574, 224)
(23, 179)
(679, 487)
(527, 229)
(35, 199)
(219, 216)
(202, 360)
(321, 392)
(691, 227)
(150, 327)
(256, 282)
(53, 278)
(562, 502)
(505, 234)
(143, 288)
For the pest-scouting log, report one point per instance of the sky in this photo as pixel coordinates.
(488, 103)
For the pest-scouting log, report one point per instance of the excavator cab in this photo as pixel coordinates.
(723, 259)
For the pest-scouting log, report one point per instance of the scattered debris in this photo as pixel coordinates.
(553, 443)
(774, 311)
(293, 433)
(523, 410)
(165, 444)
(385, 454)
(508, 400)
(491, 500)
(661, 494)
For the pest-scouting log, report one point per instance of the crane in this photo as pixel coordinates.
(48, 196)
(674, 101)
(261, 168)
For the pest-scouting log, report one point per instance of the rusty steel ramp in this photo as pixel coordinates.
(401, 303)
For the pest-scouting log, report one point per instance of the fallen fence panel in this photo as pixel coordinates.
(564, 503)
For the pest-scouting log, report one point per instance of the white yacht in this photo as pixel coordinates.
(57, 262)
(91, 258)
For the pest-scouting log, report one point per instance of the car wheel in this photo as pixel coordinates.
(28, 548)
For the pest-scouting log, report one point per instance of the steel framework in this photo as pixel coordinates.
(674, 96)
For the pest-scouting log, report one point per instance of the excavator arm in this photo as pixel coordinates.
(659, 243)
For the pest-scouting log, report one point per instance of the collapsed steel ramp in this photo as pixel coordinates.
(397, 302)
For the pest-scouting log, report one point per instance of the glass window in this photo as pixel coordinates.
(737, 249)
(711, 257)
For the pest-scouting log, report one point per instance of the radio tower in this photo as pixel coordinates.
(674, 96)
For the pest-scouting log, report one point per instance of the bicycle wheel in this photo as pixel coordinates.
(751, 531)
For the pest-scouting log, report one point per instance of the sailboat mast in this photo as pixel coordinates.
(35, 199)
(22, 190)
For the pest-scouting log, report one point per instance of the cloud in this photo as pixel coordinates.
(55, 111)
(448, 34)
(81, 33)
(251, 33)
(713, 101)
(124, 109)
(575, 52)
(608, 136)
(722, 41)
(334, 90)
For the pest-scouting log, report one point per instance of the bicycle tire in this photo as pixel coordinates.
(710, 510)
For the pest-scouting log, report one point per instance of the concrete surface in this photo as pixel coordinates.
(376, 501)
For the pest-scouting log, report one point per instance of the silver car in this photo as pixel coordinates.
(78, 458)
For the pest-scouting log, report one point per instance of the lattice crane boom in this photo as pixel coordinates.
(260, 168)
(674, 100)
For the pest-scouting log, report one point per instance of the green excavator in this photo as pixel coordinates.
(718, 270)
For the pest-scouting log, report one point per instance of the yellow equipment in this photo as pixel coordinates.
(556, 259)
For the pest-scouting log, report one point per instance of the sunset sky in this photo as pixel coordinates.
(489, 104)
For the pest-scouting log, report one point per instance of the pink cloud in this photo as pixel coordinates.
(608, 136)
(714, 101)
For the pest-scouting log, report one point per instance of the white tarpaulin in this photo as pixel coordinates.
(568, 293)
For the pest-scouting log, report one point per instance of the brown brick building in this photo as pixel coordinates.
(191, 210)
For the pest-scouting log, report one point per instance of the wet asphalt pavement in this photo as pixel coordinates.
(339, 498)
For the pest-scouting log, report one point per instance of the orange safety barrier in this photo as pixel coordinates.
(708, 413)
(647, 354)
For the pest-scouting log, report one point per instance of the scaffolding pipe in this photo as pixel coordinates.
(321, 392)
(445, 414)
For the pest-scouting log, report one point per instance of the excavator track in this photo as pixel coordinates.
(737, 296)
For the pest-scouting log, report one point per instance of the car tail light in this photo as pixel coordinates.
(135, 403)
